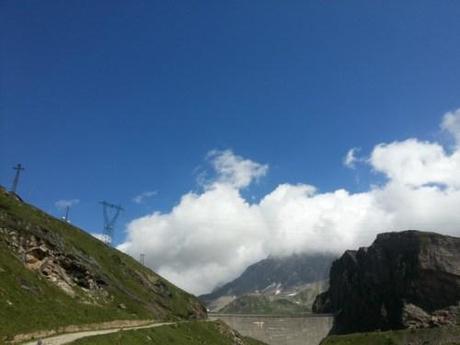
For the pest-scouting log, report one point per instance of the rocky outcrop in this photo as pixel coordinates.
(409, 279)
(67, 271)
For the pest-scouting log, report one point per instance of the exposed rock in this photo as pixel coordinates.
(406, 279)
(415, 317)
(64, 270)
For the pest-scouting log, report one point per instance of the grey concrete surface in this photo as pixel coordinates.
(280, 330)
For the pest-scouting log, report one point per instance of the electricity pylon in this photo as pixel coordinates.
(109, 220)
(18, 169)
(66, 216)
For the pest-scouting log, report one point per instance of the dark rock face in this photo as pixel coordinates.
(405, 279)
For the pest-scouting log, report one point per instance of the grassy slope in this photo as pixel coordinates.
(441, 335)
(189, 333)
(29, 302)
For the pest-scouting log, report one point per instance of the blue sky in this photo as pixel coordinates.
(104, 100)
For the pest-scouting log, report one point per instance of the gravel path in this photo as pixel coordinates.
(69, 337)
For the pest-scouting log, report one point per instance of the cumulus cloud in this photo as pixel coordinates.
(140, 198)
(417, 163)
(62, 204)
(234, 170)
(210, 237)
(451, 124)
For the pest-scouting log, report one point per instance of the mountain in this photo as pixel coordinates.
(296, 300)
(276, 278)
(407, 279)
(261, 304)
(53, 274)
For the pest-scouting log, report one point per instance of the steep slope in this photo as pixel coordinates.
(53, 274)
(274, 276)
(409, 279)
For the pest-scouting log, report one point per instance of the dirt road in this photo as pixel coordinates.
(69, 337)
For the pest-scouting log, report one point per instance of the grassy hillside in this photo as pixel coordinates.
(53, 274)
(429, 336)
(190, 333)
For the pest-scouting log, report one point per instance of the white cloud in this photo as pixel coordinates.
(62, 204)
(209, 238)
(417, 163)
(101, 237)
(451, 124)
(234, 170)
(140, 198)
(350, 159)
(206, 238)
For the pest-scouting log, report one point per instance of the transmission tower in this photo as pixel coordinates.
(109, 219)
(142, 259)
(66, 216)
(18, 169)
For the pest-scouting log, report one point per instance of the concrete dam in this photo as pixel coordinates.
(280, 330)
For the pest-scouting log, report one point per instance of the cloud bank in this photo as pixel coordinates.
(209, 238)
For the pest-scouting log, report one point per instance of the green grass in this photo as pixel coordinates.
(187, 333)
(29, 302)
(439, 335)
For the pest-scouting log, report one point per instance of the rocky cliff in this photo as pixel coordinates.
(407, 279)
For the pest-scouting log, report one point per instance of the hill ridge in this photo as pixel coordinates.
(53, 274)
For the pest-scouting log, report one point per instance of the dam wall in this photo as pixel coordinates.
(280, 330)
